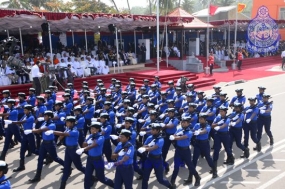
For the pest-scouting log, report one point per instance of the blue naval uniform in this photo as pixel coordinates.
(112, 116)
(88, 116)
(107, 148)
(264, 120)
(5, 183)
(95, 162)
(259, 97)
(185, 106)
(28, 141)
(49, 103)
(121, 177)
(222, 103)
(238, 99)
(12, 129)
(154, 96)
(102, 99)
(121, 118)
(236, 131)
(209, 110)
(251, 126)
(70, 155)
(20, 108)
(168, 132)
(202, 145)
(178, 100)
(194, 118)
(194, 93)
(68, 107)
(216, 97)
(147, 130)
(79, 124)
(32, 100)
(222, 137)
(132, 95)
(143, 113)
(53, 96)
(41, 108)
(58, 123)
(158, 84)
(48, 146)
(200, 104)
(154, 161)
(170, 93)
(147, 88)
(183, 153)
(116, 96)
(164, 106)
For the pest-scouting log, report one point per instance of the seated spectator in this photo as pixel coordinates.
(11, 74)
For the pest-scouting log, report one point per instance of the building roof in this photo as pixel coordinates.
(205, 12)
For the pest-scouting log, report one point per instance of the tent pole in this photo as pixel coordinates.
(86, 47)
(117, 49)
(21, 40)
(157, 35)
(135, 40)
(50, 44)
(166, 41)
(72, 37)
(8, 35)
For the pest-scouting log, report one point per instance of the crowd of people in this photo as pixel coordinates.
(139, 124)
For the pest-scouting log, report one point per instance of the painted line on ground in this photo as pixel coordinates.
(239, 165)
(240, 182)
(278, 94)
(273, 160)
(262, 170)
(272, 181)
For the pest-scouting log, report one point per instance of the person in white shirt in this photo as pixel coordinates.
(84, 66)
(36, 74)
(102, 64)
(96, 65)
(11, 74)
(177, 52)
(105, 70)
(283, 59)
(76, 65)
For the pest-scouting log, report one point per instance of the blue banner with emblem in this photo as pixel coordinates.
(262, 33)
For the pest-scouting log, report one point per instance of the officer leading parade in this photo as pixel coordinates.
(75, 124)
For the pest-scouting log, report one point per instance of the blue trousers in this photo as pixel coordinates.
(28, 142)
(107, 150)
(48, 147)
(165, 149)
(202, 147)
(11, 130)
(97, 165)
(58, 128)
(137, 169)
(236, 135)
(266, 122)
(38, 136)
(70, 156)
(122, 178)
(2, 131)
(86, 128)
(81, 137)
(182, 156)
(252, 128)
(221, 138)
(156, 164)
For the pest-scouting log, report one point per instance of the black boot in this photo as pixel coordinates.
(227, 160)
(231, 160)
(3, 155)
(245, 153)
(37, 177)
(271, 141)
(166, 169)
(21, 167)
(197, 180)
(29, 152)
(62, 185)
(214, 170)
(258, 146)
(48, 160)
(189, 180)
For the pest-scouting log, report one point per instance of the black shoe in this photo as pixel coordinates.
(139, 177)
(197, 180)
(35, 179)
(271, 141)
(29, 154)
(246, 153)
(59, 144)
(62, 185)
(20, 168)
(166, 169)
(258, 147)
(189, 180)
(1, 137)
(95, 179)
(15, 142)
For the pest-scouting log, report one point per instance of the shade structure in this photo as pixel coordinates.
(12, 20)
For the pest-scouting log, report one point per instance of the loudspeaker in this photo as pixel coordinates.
(111, 28)
(45, 27)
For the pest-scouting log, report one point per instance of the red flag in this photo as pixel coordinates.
(212, 10)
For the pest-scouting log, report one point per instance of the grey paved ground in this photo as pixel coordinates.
(263, 170)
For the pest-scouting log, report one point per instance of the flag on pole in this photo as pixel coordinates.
(241, 7)
(212, 10)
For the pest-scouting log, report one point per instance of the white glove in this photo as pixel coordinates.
(151, 144)
(34, 125)
(7, 122)
(136, 114)
(186, 107)
(108, 90)
(135, 106)
(142, 133)
(98, 111)
(235, 118)
(80, 151)
(249, 110)
(262, 111)
(263, 108)
(161, 116)
(35, 108)
(118, 126)
(90, 141)
(29, 131)
(116, 107)
(147, 127)
(156, 106)
(113, 103)
(162, 124)
(108, 166)
(179, 133)
(114, 137)
(54, 114)
(141, 120)
(41, 118)
(183, 115)
(248, 120)
(62, 119)
(121, 153)
(220, 122)
(233, 124)
(93, 119)
(217, 128)
(118, 114)
(141, 150)
(197, 132)
(49, 132)
(43, 127)
(171, 137)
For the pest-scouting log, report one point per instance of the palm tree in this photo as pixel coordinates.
(16, 4)
(188, 5)
(129, 6)
(224, 3)
(150, 7)
(115, 5)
